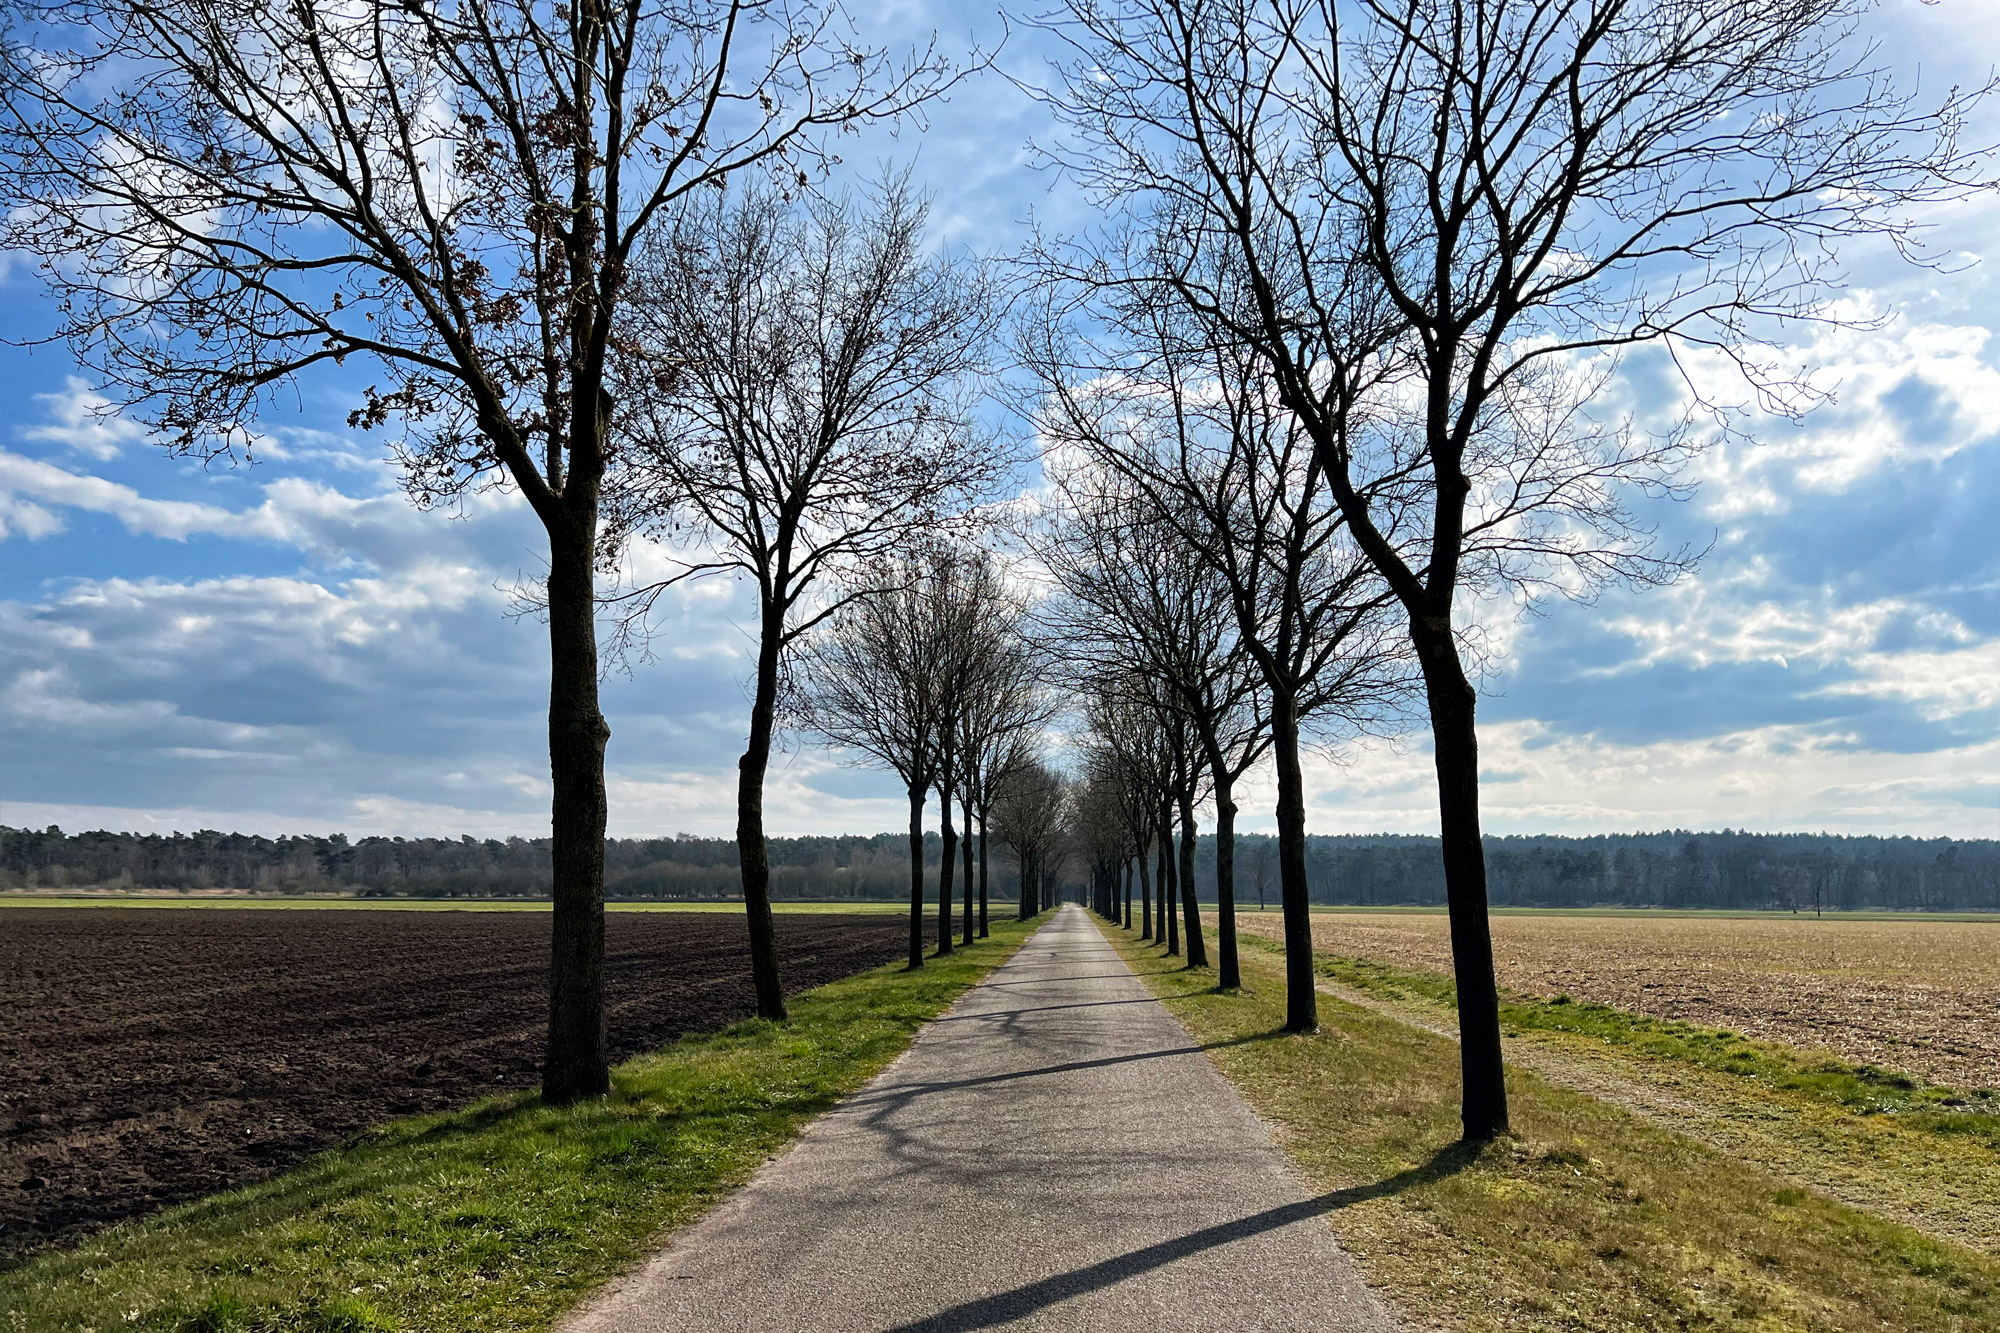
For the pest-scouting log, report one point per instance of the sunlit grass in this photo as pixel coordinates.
(1864, 1089)
(1590, 1217)
(502, 1216)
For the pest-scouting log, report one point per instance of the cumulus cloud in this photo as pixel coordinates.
(25, 518)
(83, 420)
(296, 648)
(1768, 778)
(29, 480)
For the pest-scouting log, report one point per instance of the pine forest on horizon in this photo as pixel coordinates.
(1673, 869)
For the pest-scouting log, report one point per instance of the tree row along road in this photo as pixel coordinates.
(977, 1144)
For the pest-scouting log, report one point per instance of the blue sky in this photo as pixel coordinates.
(293, 647)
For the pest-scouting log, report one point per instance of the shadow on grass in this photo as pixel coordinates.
(1007, 1306)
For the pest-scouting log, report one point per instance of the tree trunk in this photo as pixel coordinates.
(949, 839)
(1455, 742)
(1197, 948)
(1301, 999)
(1169, 882)
(1128, 892)
(916, 877)
(751, 851)
(1227, 973)
(982, 875)
(577, 1063)
(965, 845)
(1145, 895)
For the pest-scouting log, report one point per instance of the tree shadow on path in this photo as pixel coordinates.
(1004, 1307)
(900, 1093)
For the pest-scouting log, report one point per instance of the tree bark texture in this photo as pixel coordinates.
(1145, 895)
(752, 852)
(1456, 746)
(916, 877)
(982, 877)
(949, 838)
(1227, 973)
(1197, 947)
(1301, 998)
(965, 847)
(1128, 894)
(577, 1063)
(1169, 882)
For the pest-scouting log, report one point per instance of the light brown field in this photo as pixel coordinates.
(1918, 996)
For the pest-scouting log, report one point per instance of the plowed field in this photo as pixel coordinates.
(1913, 995)
(152, 1056)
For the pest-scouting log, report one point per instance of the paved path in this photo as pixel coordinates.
(1053, 1153)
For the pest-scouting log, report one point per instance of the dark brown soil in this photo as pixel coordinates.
(153, 1055)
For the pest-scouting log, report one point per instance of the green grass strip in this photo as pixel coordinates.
(1589, 1217)
(1860, 1088)
(502, 1216)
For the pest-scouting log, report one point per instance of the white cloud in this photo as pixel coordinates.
(83, 420)
(48, 697)
(25, 518)
(1942, 685)
(1900, 392)
(1772, 778)
(175, 520)
(358, 818)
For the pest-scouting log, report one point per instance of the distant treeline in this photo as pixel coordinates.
(1781, 871)
(1678, 869)
(682, 867)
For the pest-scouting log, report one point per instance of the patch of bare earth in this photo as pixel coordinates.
(150, 1056)
(1922, 997)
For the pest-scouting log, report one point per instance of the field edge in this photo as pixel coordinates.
(1587, 1217)
(506, 1214)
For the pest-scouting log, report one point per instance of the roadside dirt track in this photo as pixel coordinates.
(150, 1056)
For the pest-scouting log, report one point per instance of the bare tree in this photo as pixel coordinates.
(227, 195)
(1145, 610)
(867, 685)
(1495, 196)
(1029, 810)
(1130, 743)
(1121, 791)
(968, 661)
(1098, 826)
(803, 381)
(998, 727)
(1192, 432)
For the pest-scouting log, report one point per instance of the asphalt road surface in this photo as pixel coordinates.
(1056, 1152)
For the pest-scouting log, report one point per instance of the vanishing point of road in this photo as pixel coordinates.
(1055, 1152)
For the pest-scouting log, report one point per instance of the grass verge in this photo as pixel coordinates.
(502, 1216)
(1921, 1153)
(1590, 1217)
(1863, 1089)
